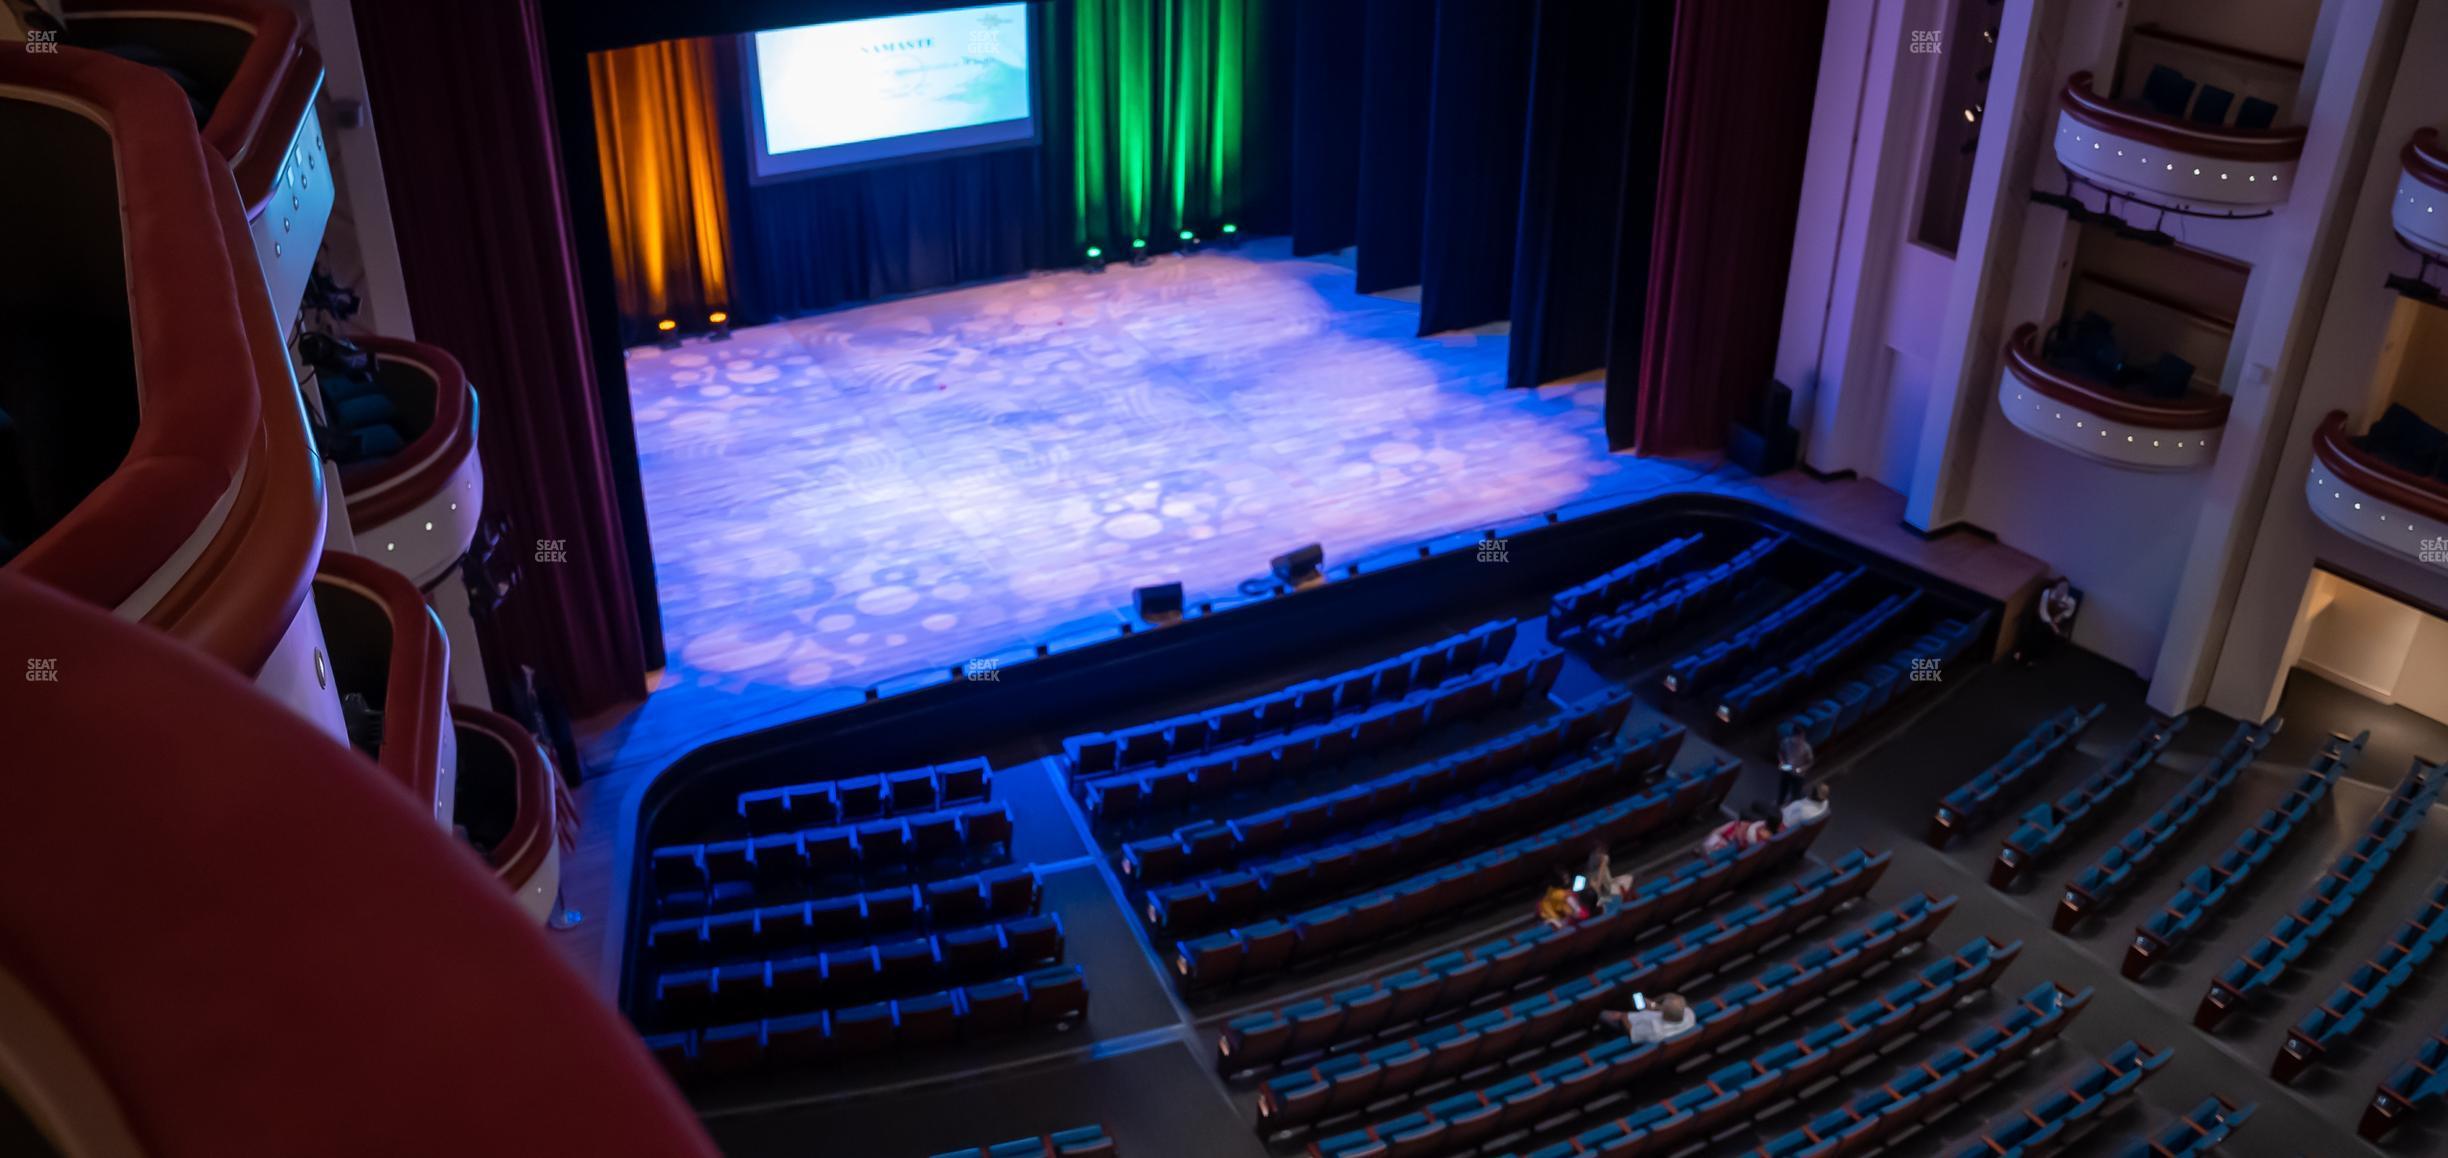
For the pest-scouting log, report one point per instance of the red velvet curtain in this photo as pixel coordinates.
(459, 98)
(1738, 117)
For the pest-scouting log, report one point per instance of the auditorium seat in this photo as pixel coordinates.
(2205, 889)
(2047, 827)
(1728, 1093)
(1763, 689)
(2329, 900)
(2399, 959)
(1439, 892)
(1795, 616)
(1284, 755)
(2199, 1131)
(1078, 1142)
(1456, 977)
(2422, 1079)
(1973, 802)
(1676, 601)
(936, 907)
(823, 803)
(1567, 1010)
(1871, 688)
(1576, 605)
(2069, 1107)
(785, 865)
(1309, 703)
(1211, 844)
(1046, 997)
(2133, 854)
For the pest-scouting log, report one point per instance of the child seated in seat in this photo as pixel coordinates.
(1670, 1018)
(1559, 908)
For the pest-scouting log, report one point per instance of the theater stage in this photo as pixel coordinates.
(906, 485)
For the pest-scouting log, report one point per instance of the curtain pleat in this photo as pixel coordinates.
(659, 146)
(1478, 100)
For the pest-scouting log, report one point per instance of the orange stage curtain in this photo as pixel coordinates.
(661, 149)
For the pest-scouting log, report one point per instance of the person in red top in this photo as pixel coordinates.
(1742, 832)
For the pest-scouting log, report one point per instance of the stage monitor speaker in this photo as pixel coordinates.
(1300, 565)
(1159, 604)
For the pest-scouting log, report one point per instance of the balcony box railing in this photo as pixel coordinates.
(510, 804)
(2166, 160)
(388, 648)
(2420, 209)
(251, 64)
(416, 509)
(2099, 421)
(2385, 506)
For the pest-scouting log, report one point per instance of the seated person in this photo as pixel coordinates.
(1669, 1018)
(1559, 907)
(1809, 807)
(1744, 832)
(1609, 886)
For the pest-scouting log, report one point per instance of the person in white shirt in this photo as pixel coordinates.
(1609, 886)
(1811, 806)
(1671, 1017)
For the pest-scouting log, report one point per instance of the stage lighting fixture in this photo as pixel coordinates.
(1139, 253)
(721, 321)
(1229, 236)
(1189, 242)
(1095, 262)
(1299, 567)
(1159, 605)
(667, 334)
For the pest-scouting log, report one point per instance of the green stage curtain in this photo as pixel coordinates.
(1158, 123)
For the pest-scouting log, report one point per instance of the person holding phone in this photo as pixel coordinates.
(1598, 875)
(1560, 907)
(1669, 1018)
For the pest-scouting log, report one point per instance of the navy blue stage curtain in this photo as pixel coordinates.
(1571, 189)
(1646, 61)
(1738, 106)
(1394, 73)
(818, 242)
(1478, 100)
(1326, 54)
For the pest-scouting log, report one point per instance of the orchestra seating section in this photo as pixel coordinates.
(1914, 666)
(2132, 856)
(2358, 998)
(2014, 774)
(2328, 901)
(2048, 827)
(2199, 1131)
(1078, 1142)
(2071, 1107)
(2207, 888)
(2422, 1080)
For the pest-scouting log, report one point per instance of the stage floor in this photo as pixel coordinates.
(903, 486)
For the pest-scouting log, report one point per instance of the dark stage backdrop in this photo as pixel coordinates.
(1614, 178)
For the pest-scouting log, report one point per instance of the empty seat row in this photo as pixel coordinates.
(1765, 688)
(746, 990)
(2198, 1132)
(1211, 844)
(1456, 977)
(1795, 615)
(2134, 853)
(2204, 889)
(2418, 1081)
(1046, 997)
(780, 866)
(2368, 988)
(1974, 801)
(795, 806)
(1332, 869)
(1079, 1142)
(1737, 1091)
(1003, 893)
(1676, 602)
(1466, 1119)
(1576, 604)
(2330, 899)
(2043, 829)
(2070, 1107)
(1350, 1080)
(1298, 705)
(1919, 662)
(1270, 946)
(1322, 745)
(1917, 1092)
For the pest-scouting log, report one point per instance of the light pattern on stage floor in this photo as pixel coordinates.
(860, 494)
